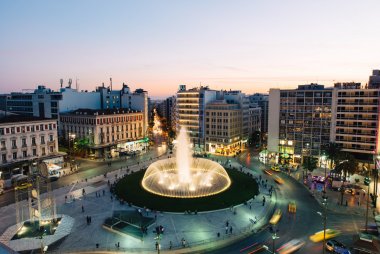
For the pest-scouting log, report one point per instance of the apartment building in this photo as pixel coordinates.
(300, 121)
(303, 120)
(356, 119)
(26, 138)
(223, 128)
(191, 105)
(262, 101)
(108, 131)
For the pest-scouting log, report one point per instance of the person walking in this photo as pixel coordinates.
(82, 209)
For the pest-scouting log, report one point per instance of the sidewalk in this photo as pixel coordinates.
(200, 231)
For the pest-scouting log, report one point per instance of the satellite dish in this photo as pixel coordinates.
(34, 193)
(42, 168)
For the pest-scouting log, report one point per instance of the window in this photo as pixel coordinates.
(4, 158)
(24, 154)
(14, 144)
(34, 152)
(33, 141)
(43, 151)
(24, 142)
(51, 138)
(42, 140)
(14, 156)
(3, 145)
(12, 130)
(51, 149)
(1, 131)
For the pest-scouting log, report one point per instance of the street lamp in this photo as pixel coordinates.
(324, 216)
(274, 231)
(375, 178)
(367, 181)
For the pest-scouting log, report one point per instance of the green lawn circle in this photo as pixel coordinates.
(243, 187)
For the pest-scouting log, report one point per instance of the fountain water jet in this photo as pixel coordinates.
(184, 176)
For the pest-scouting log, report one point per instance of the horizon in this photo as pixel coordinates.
(251, 46)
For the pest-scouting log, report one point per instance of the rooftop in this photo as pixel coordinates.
(21, 118)
(86, 111)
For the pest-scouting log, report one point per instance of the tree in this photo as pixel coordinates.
(348, 165)
(310, 163)
(81, 146)
(332, 151)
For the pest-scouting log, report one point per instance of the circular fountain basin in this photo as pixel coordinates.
(203, 178)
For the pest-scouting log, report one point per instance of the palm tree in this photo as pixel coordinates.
(348, 165)
(310, 163)
(332, 150)
(81, 146)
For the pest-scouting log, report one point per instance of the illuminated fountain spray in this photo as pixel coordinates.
(184, 176)
(183, 157)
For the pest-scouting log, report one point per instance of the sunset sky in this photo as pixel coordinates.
(157, 45)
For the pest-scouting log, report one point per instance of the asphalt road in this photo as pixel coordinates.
(90, 169)
(301, 225)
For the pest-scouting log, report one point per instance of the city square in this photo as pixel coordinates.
(189, 127)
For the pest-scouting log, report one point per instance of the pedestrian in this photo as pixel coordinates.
(347, 203)
(218, 234)
(65, 199)
(156, 245)
(227, 223)
(226, 230)
(170, 245)
(82, 209)
(104, 192)
(111, 198)
(231, 230)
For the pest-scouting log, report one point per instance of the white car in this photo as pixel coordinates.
(291, 246)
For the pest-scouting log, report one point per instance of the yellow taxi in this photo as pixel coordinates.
(292, 207)
(276, 168)
(278, 180)
(276, 217)
(330, 233)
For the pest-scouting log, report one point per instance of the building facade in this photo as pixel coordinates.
(191, 105)
(262, 101)
(108, 132)
(23, 139)
(223, 128)
(356, 119)
(300, 121)
(304, 120)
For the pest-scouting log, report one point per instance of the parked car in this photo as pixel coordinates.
(337, 247)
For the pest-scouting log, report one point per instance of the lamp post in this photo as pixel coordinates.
(274, 231)
(367, 182)
(324, 221)
(375, 178)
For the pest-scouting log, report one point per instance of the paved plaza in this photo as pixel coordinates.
(202, 230)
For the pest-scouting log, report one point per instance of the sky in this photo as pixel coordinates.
(156, 45)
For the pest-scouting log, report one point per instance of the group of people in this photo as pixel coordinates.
(88, 219)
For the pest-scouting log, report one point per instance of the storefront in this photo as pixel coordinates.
(139, 146)
(225, 150)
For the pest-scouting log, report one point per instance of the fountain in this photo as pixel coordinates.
(184, 176)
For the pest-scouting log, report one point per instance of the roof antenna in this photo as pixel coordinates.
(111, 83)
(76, 84)
(61, 82)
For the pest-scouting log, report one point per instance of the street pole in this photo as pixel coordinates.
(324, 223)
(366, 216)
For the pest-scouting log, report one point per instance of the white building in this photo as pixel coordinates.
(23, 139)
(108, 131)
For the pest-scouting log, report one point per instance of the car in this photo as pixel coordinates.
(291, 246)
(276, 168)
(266, 171)
(330, 233)
(292, 207)
(337, 247)
(278, 180)
(276, 217)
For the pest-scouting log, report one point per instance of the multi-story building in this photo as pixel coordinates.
(42, 102)
(356, 119)
(374, 80)
(26, 138)
(303, 120)
(167, 109)
(300, 121)
(254, 120)
(223, 128)
(261, 100)
(191, 105)
(108, 131)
